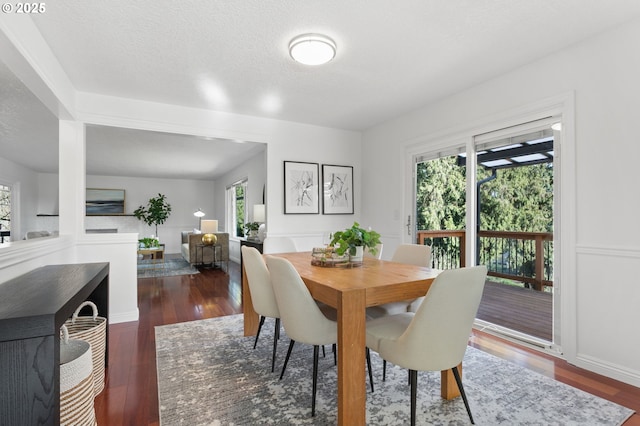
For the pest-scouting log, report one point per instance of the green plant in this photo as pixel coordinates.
(353, 237)
(149, 242)
(155, 213)
(251, 226)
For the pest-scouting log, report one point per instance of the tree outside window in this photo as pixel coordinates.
(236, 198)
(5, 208)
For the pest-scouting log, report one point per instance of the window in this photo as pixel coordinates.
(236, 208)
(5, 213)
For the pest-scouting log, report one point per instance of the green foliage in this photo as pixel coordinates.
(519, 199)
(155, 213)
(240, 210)
(353, 237)
(149, 242)
(441, 196)
(251, 226)
(5, 207)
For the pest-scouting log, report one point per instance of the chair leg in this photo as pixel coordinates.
(413, 378)
(369, 368)
(384, 370)
(335, 354)
(323, 352)
(315, 379)
(258, 333)
(286, 360)
(456, 374)
(276, 337)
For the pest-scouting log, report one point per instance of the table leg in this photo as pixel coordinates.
(448, 386)
(250, 315)
(351, 357)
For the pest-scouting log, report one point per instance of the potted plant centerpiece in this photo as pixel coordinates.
(155, 213)
(354, 240)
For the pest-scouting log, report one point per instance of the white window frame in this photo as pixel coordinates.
(232, 207)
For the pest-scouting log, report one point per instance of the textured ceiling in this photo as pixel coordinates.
(137, 153)
(28, 130)
(230, 55)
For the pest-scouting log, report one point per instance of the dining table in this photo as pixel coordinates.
(350, 290)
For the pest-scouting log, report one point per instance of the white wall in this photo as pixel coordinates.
(184, 195)
(48, 194)
(24, 182)
(254, 171)
(603, 287)
(315, 145)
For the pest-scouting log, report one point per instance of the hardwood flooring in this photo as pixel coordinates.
(131, 398)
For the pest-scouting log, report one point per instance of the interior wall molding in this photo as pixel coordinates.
(609, 251)
(109, 239)
(20, 252)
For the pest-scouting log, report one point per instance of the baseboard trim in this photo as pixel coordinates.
(124, 317)
(614, 371)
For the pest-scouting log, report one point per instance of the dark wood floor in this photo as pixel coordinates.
(525, 310)
(131, 398)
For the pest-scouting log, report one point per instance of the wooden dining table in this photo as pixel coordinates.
(351, 291)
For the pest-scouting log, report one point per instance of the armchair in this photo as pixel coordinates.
(188, 248)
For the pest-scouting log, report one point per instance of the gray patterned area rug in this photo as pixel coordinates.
(208, 374)
(171, 267)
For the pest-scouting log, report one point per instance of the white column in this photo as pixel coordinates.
(72, 149)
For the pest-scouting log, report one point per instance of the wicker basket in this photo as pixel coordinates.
(76, 382)
(93, 330)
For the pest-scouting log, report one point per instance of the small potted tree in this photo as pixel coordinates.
(155, 213)
(354, 240)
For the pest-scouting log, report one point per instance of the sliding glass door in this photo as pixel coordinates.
(508, 196)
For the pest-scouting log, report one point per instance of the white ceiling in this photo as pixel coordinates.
(393, 57)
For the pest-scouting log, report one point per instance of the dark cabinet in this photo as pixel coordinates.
(33, 307)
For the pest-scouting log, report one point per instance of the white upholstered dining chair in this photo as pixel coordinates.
(378, 254)
(302, 319)
(435, 337)
(413, 254)
(262, 296)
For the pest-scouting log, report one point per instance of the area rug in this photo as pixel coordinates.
(170, 268)
(208, 374)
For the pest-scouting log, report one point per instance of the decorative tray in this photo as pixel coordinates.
(327, 258)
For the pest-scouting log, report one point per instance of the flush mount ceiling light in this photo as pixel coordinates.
(312, 49)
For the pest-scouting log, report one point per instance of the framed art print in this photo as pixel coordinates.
(337, 189)
(301, 188)
(104, 202)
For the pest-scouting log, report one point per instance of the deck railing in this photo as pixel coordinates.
(522, 256)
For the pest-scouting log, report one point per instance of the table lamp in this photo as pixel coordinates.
(208, 229)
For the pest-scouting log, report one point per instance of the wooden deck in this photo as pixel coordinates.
(524, 310)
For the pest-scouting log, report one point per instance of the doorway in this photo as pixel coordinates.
(513, 233)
